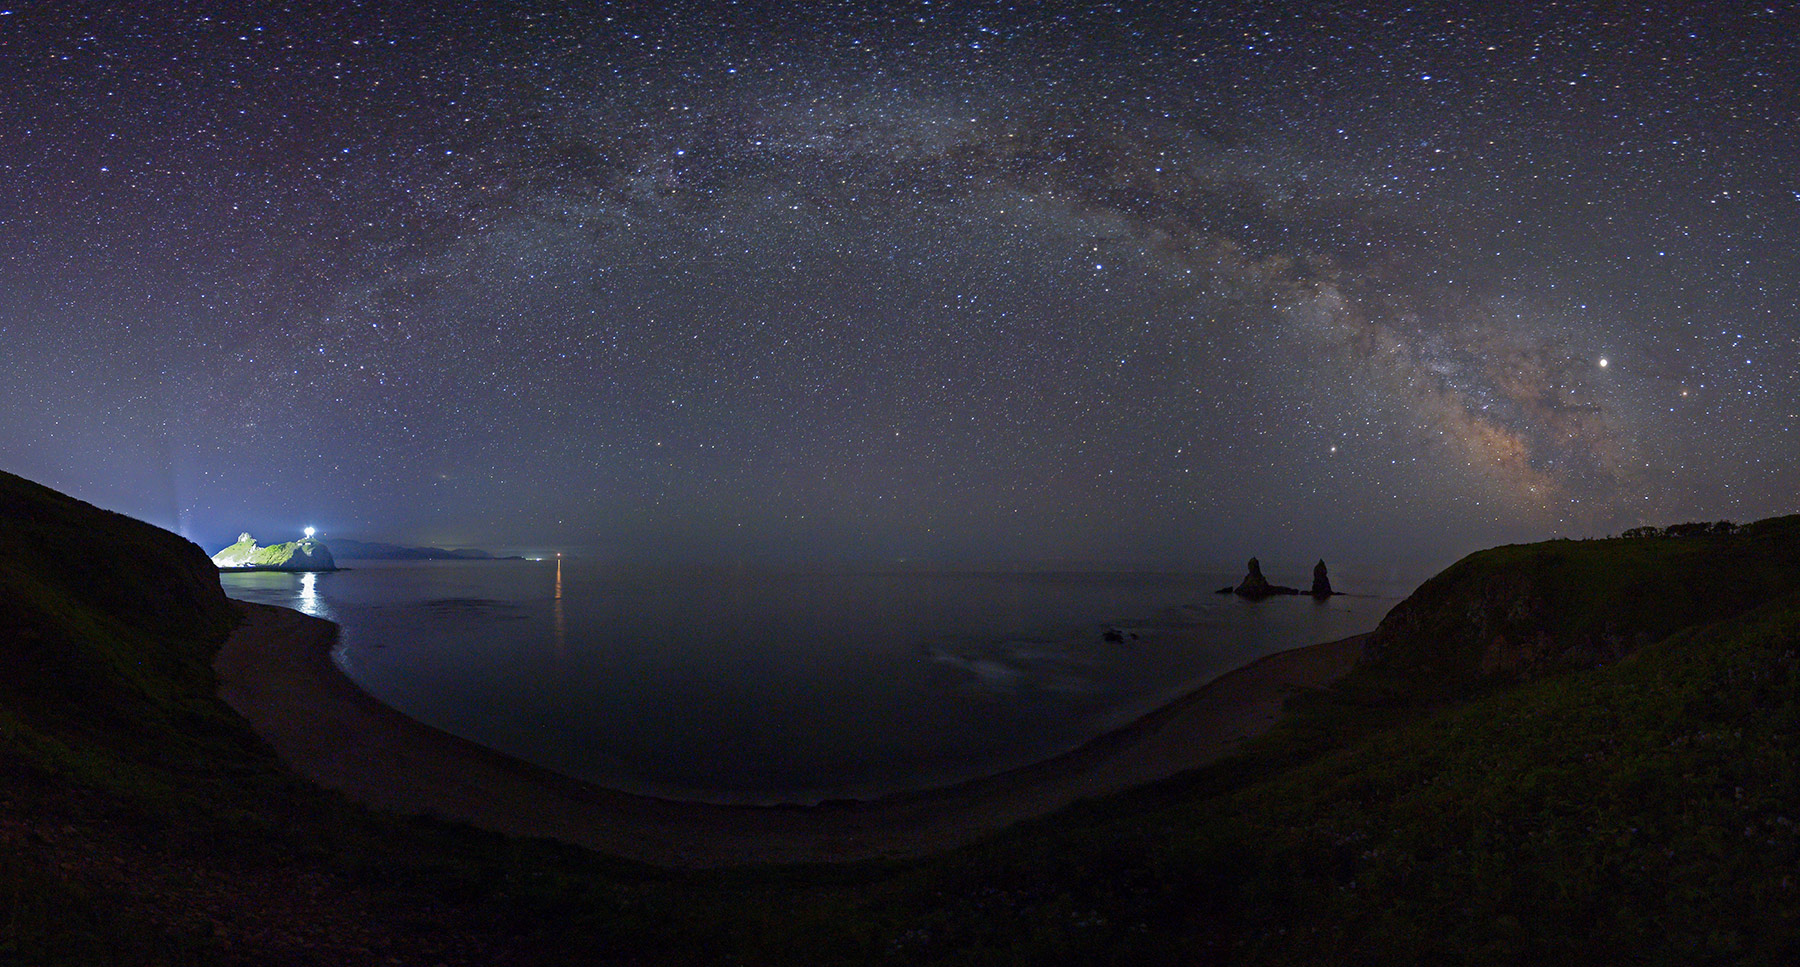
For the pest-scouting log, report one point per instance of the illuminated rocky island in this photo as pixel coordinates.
(305, 554)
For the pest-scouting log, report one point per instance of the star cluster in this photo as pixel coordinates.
(1121, 283)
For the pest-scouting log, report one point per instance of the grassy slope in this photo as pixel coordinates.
(1641, 810)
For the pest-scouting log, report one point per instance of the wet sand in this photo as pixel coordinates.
(276, 670)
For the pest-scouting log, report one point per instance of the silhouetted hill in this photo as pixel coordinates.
(138, 574)
(102, 617)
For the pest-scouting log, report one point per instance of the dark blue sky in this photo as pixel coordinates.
(1160, 284)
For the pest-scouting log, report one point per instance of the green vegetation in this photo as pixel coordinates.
(301, 555)
(1573, 752)
(274, 555)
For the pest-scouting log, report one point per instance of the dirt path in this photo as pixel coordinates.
(276, 670)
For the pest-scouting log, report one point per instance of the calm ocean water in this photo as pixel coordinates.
(764, 686)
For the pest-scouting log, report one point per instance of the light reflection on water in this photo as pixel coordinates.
(300, 590)
(558, 620)
(743, 685)
(309, 594)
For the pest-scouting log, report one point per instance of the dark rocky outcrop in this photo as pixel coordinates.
(1256, 587)
(1321, 587)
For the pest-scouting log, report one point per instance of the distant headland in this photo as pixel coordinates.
(305, 554)
(380, 551)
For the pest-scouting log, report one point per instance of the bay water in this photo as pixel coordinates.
(758, 686)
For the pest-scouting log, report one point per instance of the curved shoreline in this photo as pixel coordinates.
(276, 671)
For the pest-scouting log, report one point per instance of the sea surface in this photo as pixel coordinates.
(741, 685)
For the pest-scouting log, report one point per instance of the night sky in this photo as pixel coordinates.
(948, 282)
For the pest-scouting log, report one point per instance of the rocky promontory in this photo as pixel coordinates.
(305, 554)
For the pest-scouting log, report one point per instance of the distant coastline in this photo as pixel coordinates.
(382, 551)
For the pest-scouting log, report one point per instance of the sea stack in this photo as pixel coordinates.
(1254, 584)
(1256, 587)
(1321, 581)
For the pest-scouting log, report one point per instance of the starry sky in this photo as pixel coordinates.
(1147, 284)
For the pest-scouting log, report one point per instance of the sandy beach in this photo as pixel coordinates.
(276, 670)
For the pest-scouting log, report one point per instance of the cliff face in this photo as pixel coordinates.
(1523, 610)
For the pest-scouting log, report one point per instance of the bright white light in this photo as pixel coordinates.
(309, 531)
(1603, 362)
